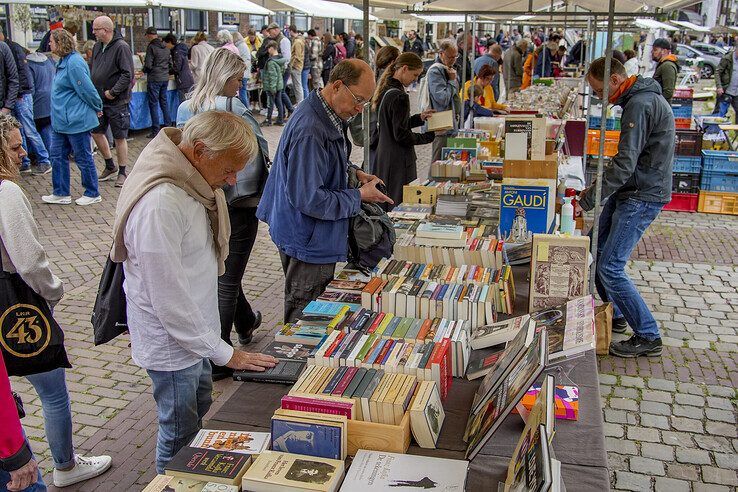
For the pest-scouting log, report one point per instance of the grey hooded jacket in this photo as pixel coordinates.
(642, 167)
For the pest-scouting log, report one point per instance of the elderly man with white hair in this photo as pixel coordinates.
(171, 232)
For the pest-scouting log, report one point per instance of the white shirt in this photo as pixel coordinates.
(172, 282)
(631, 67)
(285, 47)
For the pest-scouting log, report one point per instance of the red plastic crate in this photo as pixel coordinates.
(683, 123)
(683, 202)
(684, 92)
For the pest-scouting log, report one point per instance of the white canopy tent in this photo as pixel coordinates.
(691, 27)
(237, 6)
(87, 3)
(318, 8)
(654, 24)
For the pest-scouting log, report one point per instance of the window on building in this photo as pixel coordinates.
(162, 18)
(256, 21)
(301, 22)
(282, 19)
(230, 19)
(196, 20)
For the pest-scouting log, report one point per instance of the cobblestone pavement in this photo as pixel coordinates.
(670, 422)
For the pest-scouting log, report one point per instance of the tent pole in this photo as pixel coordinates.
(463, 66)
(592, 32)
(365, 115)
(601, 161)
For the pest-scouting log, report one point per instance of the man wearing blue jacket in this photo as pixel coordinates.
(636, 186)
(443, 89)
(306, 201)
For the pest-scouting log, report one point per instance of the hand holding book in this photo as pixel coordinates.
(250, 361)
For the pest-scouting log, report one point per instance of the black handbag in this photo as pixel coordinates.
(109, 318)
(31, 341)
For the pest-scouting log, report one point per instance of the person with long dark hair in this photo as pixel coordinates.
(329, 56)
(393, 141)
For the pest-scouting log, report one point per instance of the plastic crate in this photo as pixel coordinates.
(720, 160)
(682, 112)
(683, 123)
(596, 121)
(717, 181)
(684, 92)
(718, 203)
(612, 137)
(688, 143)
(683, 202)
(687, 164)
(685, 182)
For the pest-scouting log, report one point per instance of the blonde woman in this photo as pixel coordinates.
(218, 90)
(22, 254)
(199, 53)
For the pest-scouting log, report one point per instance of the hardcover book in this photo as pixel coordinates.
(559, 270)
(288, 351)
(304, 334)
(275, 471)
(309, 436)
(208, 465)
(426, 415)
(530, 204)
(235, 441)
(570, 327)
(481, 366)
(285, 372)
(376, 470)
(497, 333)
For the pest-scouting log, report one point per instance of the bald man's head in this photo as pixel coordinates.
(350, 87)
(103, 28)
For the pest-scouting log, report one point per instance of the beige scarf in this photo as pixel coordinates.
(162, 162)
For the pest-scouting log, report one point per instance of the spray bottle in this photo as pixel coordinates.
(567, 216)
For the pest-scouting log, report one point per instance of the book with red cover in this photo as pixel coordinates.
(345, 381)
(441, 357)
(377, 321)
(383, 353)
(306, 404)
(334, 345)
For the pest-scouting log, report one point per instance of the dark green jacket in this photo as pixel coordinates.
(666, 75)
(642, 167)
(724, 71)
(272, 75)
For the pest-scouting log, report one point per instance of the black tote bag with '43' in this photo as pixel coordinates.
(31, 341)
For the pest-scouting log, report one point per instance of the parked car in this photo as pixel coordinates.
(689, 55)
(709, 49)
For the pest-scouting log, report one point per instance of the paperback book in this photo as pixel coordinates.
(559, 270)
(570, 327)
(275, 471)
(233, 441)
(310, 434)
(426, 415)
(208, 465)
(497, 333)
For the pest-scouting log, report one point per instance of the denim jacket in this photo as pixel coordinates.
(74, 100)
(306, 200)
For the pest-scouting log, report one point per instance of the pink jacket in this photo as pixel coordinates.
(14, 450)
(231, 47)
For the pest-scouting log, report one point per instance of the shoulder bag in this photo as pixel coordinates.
(109, 317)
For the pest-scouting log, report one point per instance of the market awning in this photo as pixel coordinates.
(691, 27)
(87, 3)
(237, 6)
(654, 24)
(320, 8)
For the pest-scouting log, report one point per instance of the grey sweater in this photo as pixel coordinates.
(20, 248)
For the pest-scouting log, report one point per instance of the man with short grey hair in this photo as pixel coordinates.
(513, 66)
(443, 88)
(171, 232)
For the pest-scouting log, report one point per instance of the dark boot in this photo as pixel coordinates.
(619, 325)
(245, 335)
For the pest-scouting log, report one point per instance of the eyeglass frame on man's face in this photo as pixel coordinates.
(357, 101)
(100, 29)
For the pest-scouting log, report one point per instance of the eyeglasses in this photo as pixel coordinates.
(358, 101)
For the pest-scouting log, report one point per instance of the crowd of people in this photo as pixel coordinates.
(189, 210)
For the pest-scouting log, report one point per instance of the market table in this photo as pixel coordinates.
(579, 445)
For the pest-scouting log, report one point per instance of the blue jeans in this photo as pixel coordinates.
(305, 90)
(157, 92)
(182, 398)
(273, 97)
(285, 98)
(243, 94)
(39, 486)
(46, 132)
(63, 144)
(622, 223)
(32, 141)
(52, 391)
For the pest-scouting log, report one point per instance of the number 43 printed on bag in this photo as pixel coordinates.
(24, 330)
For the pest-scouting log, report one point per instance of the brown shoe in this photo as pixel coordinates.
(107, 174)
(120, 180)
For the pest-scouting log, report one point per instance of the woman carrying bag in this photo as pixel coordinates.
(35, 349)
(217, 90)
(393, 154)
(329, 55)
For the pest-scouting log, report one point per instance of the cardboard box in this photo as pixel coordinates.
(426, 195)
(547, 168)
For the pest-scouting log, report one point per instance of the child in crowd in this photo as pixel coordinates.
(474, 105)
(273, 82)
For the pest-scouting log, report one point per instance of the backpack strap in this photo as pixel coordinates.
(384, 96)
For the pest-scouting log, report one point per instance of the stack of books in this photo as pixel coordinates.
(278, 471)
(469, 292)
(453, 168)
(457, 206)
(481, 247)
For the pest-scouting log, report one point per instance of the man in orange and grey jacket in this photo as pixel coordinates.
(667, 68)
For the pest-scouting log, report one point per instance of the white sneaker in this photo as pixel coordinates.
(60, 200)
(86, 200)
(84, 469)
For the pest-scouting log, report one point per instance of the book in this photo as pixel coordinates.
(497, 333)
(308, 433)
(439, 231)
(208, 465)
(528, 204)
(426, 415)
(285, 372)
(481, 365)
(559, 270)
(319, 404)
(304, 334)
(275, 471)
(566, 401)
(441, 120)
(377, 470)
(570, 327)
(532, 463)
(337, 285)
(287, 351)
(235, 441)
(485, 420)
(165, 483)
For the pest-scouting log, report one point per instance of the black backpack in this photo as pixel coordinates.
(371, 233)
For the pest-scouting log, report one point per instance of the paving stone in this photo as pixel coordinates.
(621, 446)
(617, 462)
(691, 388)
(687, 425)
(726, 461)
(655, 408)
(720, 415)
(711, 474)
(686, 411)
(614, 430)
(657, 421)
(692, 456)
(610, 379)
(721, 429)
(620, 392)
(624, 404)
(721, 403)
(619, 416)
(686, 399)
(632, 481)
(662, 384)
(643, 434)
(660, 396)
(632, 381)
(723, 391)
(657, 451)
(713, 443)
(708, 487)
(664, 484)
(683, 472)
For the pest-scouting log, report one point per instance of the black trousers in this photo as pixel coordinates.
(232, 304)
(303, 282)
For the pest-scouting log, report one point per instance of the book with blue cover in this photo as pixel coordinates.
(309, 434)
(534, 201)
(322, 308)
